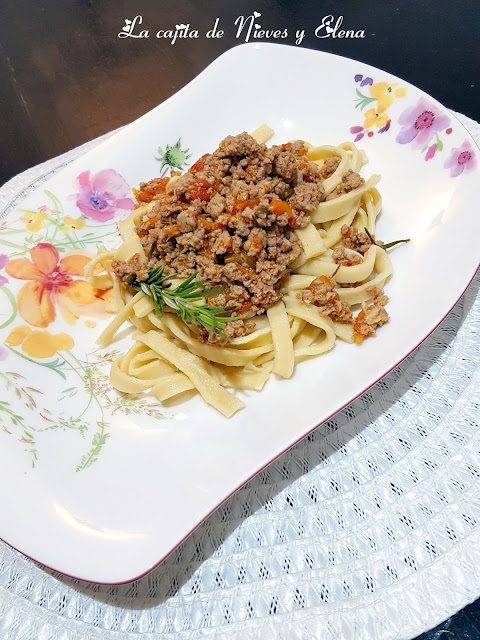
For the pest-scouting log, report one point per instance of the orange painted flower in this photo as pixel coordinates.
(53, 281)
(39, 344)
(72, 224)
(373, 117)
(33, 221)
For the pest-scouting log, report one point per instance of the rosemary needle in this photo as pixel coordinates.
(384, 246)
(180, 299)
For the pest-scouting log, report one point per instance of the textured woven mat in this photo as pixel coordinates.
(368, 528)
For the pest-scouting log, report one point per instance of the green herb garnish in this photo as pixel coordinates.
(384, 246)
(180, 299)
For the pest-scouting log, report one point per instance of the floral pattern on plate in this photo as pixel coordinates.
(381, 97)
(44, 293)
(421, 125)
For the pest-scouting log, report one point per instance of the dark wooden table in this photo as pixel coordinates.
(66, 77)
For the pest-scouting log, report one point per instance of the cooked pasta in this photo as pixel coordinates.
(332, 267)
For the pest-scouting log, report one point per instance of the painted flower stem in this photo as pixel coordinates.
(14, 246)
(362, 100)
(57, 205)
(53, 366)
(98, 441)
(85, 378)
(18, 421)
(11, 299)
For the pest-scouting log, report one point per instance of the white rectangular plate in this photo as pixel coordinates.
(105, 488)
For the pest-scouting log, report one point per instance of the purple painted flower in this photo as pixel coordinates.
(3, 262)
(366, 81)
(358, 77)
(356, 129)
(3, 353)
(461, 159)
(359, 137)
(420, 122)
(103, 196)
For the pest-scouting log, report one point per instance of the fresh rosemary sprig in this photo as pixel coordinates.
(384, 246)
(180, 299)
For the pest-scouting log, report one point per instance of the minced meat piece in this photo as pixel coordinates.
(342, 257)
(321, 293)
(308, 195)
(371, 316)
(329, 167)
(130, 270)
(350, 181)
(354, 239)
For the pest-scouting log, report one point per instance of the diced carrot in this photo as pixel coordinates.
(151, 223)
(240, 205)
(357, 335)
(152, 189)
(171, 231)
(279, 206)
(205, 223)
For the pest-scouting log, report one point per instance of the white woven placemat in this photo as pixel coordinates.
(367, 529)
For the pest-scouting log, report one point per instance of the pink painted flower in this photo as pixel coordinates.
(3, 262)
(3, 353)
(420, 122)
(431, 152)
(103, 196)
(461, 159)
(385, 127)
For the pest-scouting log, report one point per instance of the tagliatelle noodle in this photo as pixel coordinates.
(168, 359)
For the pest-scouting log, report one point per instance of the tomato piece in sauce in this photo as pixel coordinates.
(201, 190)
(199, 164)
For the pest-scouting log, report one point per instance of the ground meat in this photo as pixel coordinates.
(350, 181)
(236, 329)
(180, 185)
(128, 271)
(342, 257)
(186, 220)
(216, 206)
(231, 218)
(329, 167)
(357, 240)
(308, 195)
(371, 316)
(241, 146)
(321, 293)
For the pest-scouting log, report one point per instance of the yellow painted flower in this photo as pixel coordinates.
(384, 93)
(33, 220)
(39, 344)
(373, 117)
(18, 335)
(72, 224)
